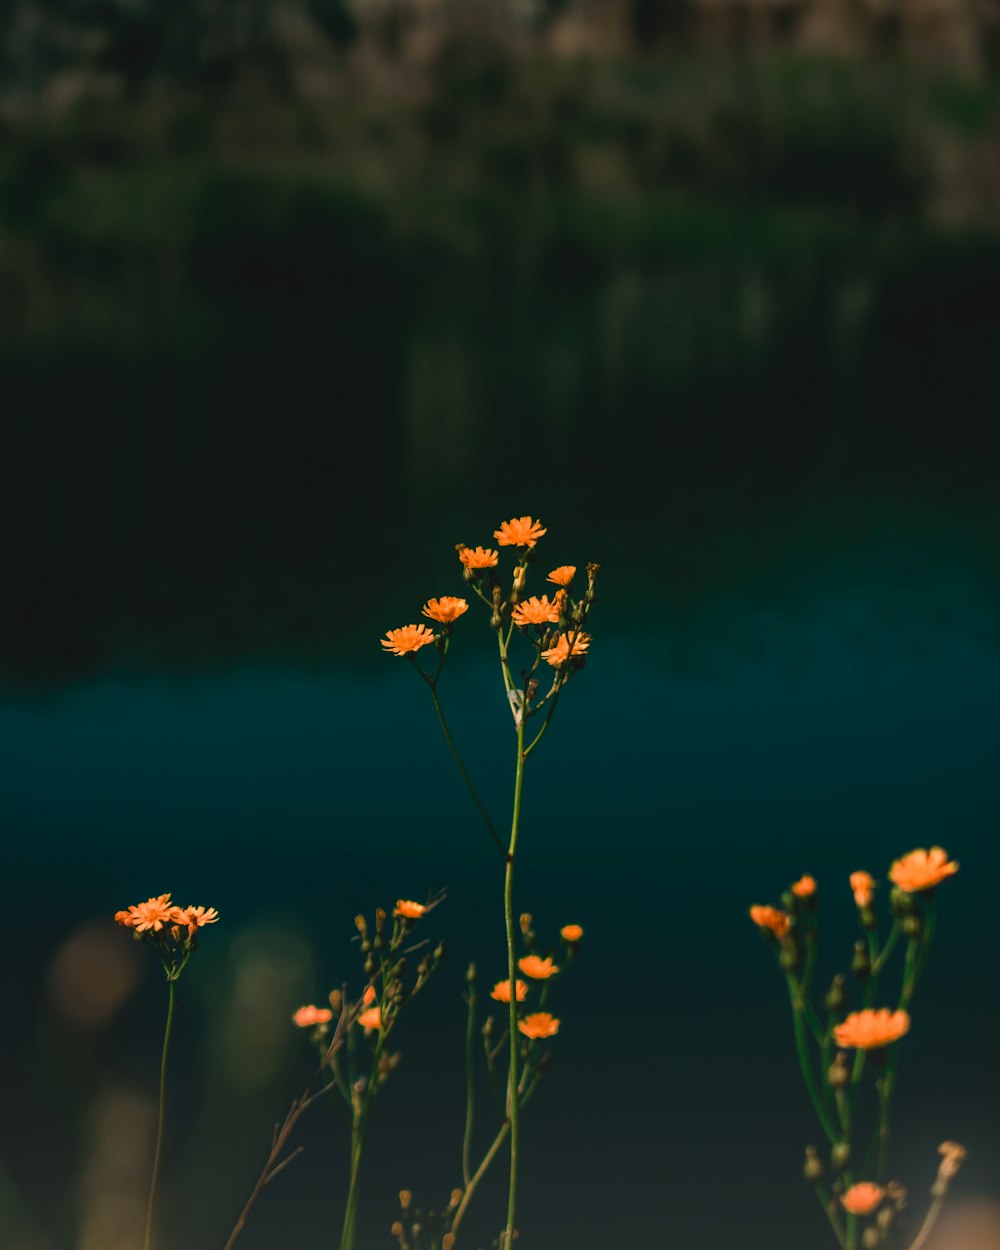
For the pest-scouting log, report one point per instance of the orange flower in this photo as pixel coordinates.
(478, 557)
(559, 652)
(539, 1024)
(537, 968)
(862, 1198)
(519, 531)
(501, 991)
(407, 638)
(770, 918)
(306, 1017)
(408, 909)
(804, 887)
(863, 885)
(868, 1029)
(153, 914)
(446, 609)
(195, 917)
(370, 1019)
(571, 933)
(921, 870)
(563, 575)
(368, 997)
(535, 611)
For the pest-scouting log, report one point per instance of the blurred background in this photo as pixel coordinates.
(297, 294)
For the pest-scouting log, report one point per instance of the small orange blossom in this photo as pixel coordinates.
(536, 611)
(770, 918)
(869, 1029)
(537, 968)
(306, 1017)
(407, 638)
(863, 885)
(805, 887)
(370, 1019)
(478, 557)
(519, 531)
(563, 575)
(446, 609)
(539, 1024)
(501, 991)
(921, 870)
(862, 1198)
(560, 651)
(408, 909)
(571, 932)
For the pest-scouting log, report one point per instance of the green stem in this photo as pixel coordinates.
(470, 1084)
(802, 1046)
(171, 982)
(513, 1094)
(545, 724)
(884, 1109)
(826, 1202)
(461, 767)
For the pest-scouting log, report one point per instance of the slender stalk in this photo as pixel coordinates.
(513, 1094)
(361, 1112)
(473, 1182)
(470, 1082)
(825, 1201)
(171, 982)
(461, 767)
(802, 1047)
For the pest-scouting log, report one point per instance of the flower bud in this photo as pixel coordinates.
(439, 951)
(866, 916)
(839, 1074)
(448, 1241)
(335, 998)
(379, 919)
(812, 1169)
(913, 926)
(902, 904)
(840, 1156)
(405, 1198)
(836, 996)
(470, 974)
(788, 955)
(871, 1238)
(861, 964)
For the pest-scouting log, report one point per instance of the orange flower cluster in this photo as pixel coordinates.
(870, 1029)
(538, 1025)
(922, 870)
(862, 1198)
(501, 991)
(770, 918)
(562, 649)
(863, 885)
(158, 913)
(309, 1017)
(445, 610)
(537, 968)
(536, 611)
(522, 531)
(407, 638)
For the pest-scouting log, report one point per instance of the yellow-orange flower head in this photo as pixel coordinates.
(407, 638)
(370, 1019)
(563, 575)
(571, 932)
(519, 531)
(863, 885)
(805, 887)
(536, 611)
(501, 991)
(408, 909)
(539, 1024)
(869, 1029)
(560, 652)
(195, 917)
(862, 1198)
(478, 557)
(307, 1017)
(537, 968)
(149, 916)
(770, 918)
(368, 997)
(446, 609)
(921, 870)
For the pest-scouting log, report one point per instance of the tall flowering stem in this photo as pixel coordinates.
(171, 932)
(835, 1079)
(172, 981)
(549, 628)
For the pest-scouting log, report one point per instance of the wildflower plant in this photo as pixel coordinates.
(852, 1042)
(547, 629)
(430, 1229)
(386, 952)
(171, 933)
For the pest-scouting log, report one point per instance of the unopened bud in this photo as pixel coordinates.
(488, 1027)
(470, 974)
(525, 921)
(335, 998)
(456, 1197)
(397, 1229)
(405, 1198)
(913, 926)
(867, 917)
(592, 582)
(836, 996)
(362, 925)
(439, 951)
(379, 919)
(839, 1074)
(812, 1169)
(840, 1156)
(884, 1218)
(448, 1241)
(871, 1238)
(788, 956)
(369, 965)
(861, 964)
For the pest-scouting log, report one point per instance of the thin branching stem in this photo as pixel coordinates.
(171, 982)
(513, 1093)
